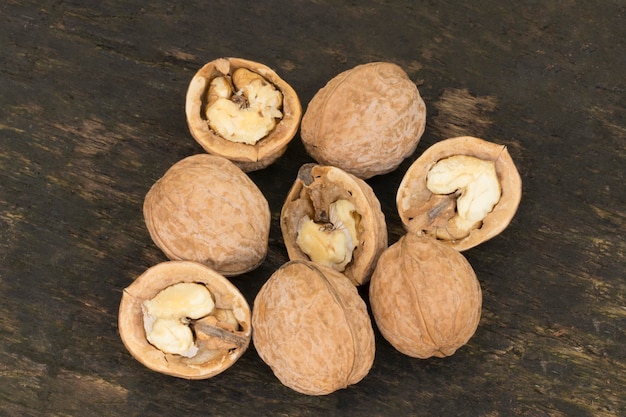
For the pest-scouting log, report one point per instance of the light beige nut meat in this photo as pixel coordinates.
(166, 317)
(334, 219)
(425, 297)
(312, 328)
(183, 319)
(242, 110)
(365, 120)
(206, 209)
(245, 111)
(462, 191)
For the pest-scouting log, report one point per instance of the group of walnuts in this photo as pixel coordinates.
(309, 323)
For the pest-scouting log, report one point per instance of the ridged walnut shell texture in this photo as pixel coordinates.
(314, 189)
(147, 286)
(247, 157)
(312, 328)
(425, 297)
(413, 194)
(206, 209)
(365, 120)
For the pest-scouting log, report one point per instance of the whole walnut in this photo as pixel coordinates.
(425, 297)
(462, 191)
(365, 120)
(206, 209)
(246, 90)
(312, 328)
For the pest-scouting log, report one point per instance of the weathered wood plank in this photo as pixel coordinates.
(93, 113)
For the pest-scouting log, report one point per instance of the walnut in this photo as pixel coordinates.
(312, 329)
(365, 120)
(206, 209)
(462, 191)
(425, 297)
(183, 319)
(242, 110)
(334, 219)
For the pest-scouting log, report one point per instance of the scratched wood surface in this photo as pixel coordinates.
(92, 113)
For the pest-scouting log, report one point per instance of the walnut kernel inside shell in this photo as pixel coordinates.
(317, 192)
(220, 337)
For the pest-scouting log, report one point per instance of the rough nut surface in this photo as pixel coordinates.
(423, 211)
(425, 297)
(312, 328)
(261, 150)
(365, 120)
(206, 209)
(312, 196)
(219, 343)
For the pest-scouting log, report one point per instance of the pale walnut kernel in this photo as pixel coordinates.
(475, 185)
(182, 320)
(166, 317)
(243, 108)
(331, 243)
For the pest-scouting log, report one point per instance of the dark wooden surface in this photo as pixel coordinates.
(92, 113)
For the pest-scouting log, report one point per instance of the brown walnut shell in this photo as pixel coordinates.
(315, 188)
(206, 363)
(425, 297)
(247, 157)
(365, 120)
(312, 329)
(417, 206)
(206, 209)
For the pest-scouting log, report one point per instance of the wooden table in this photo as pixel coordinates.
(92, 113)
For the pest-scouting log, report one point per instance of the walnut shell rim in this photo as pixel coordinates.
(329, 184)
(155, 279)
(312, 328)
(247, 157)
(412, 192)
(365, 120)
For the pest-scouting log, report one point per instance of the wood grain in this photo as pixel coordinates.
(92, 113)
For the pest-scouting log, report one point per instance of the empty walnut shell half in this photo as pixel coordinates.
(422, 211)
(425, 297)
(312, 328)
(206, 209)
(219, 346)
(313, 195)
(249, 157)
(365, 120)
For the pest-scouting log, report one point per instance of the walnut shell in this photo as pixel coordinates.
(425, 297)
(365, 120)
(247, 157)
(312, 328)
(206, 209)
(148, 285)
(315, 188)
(415, 203)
